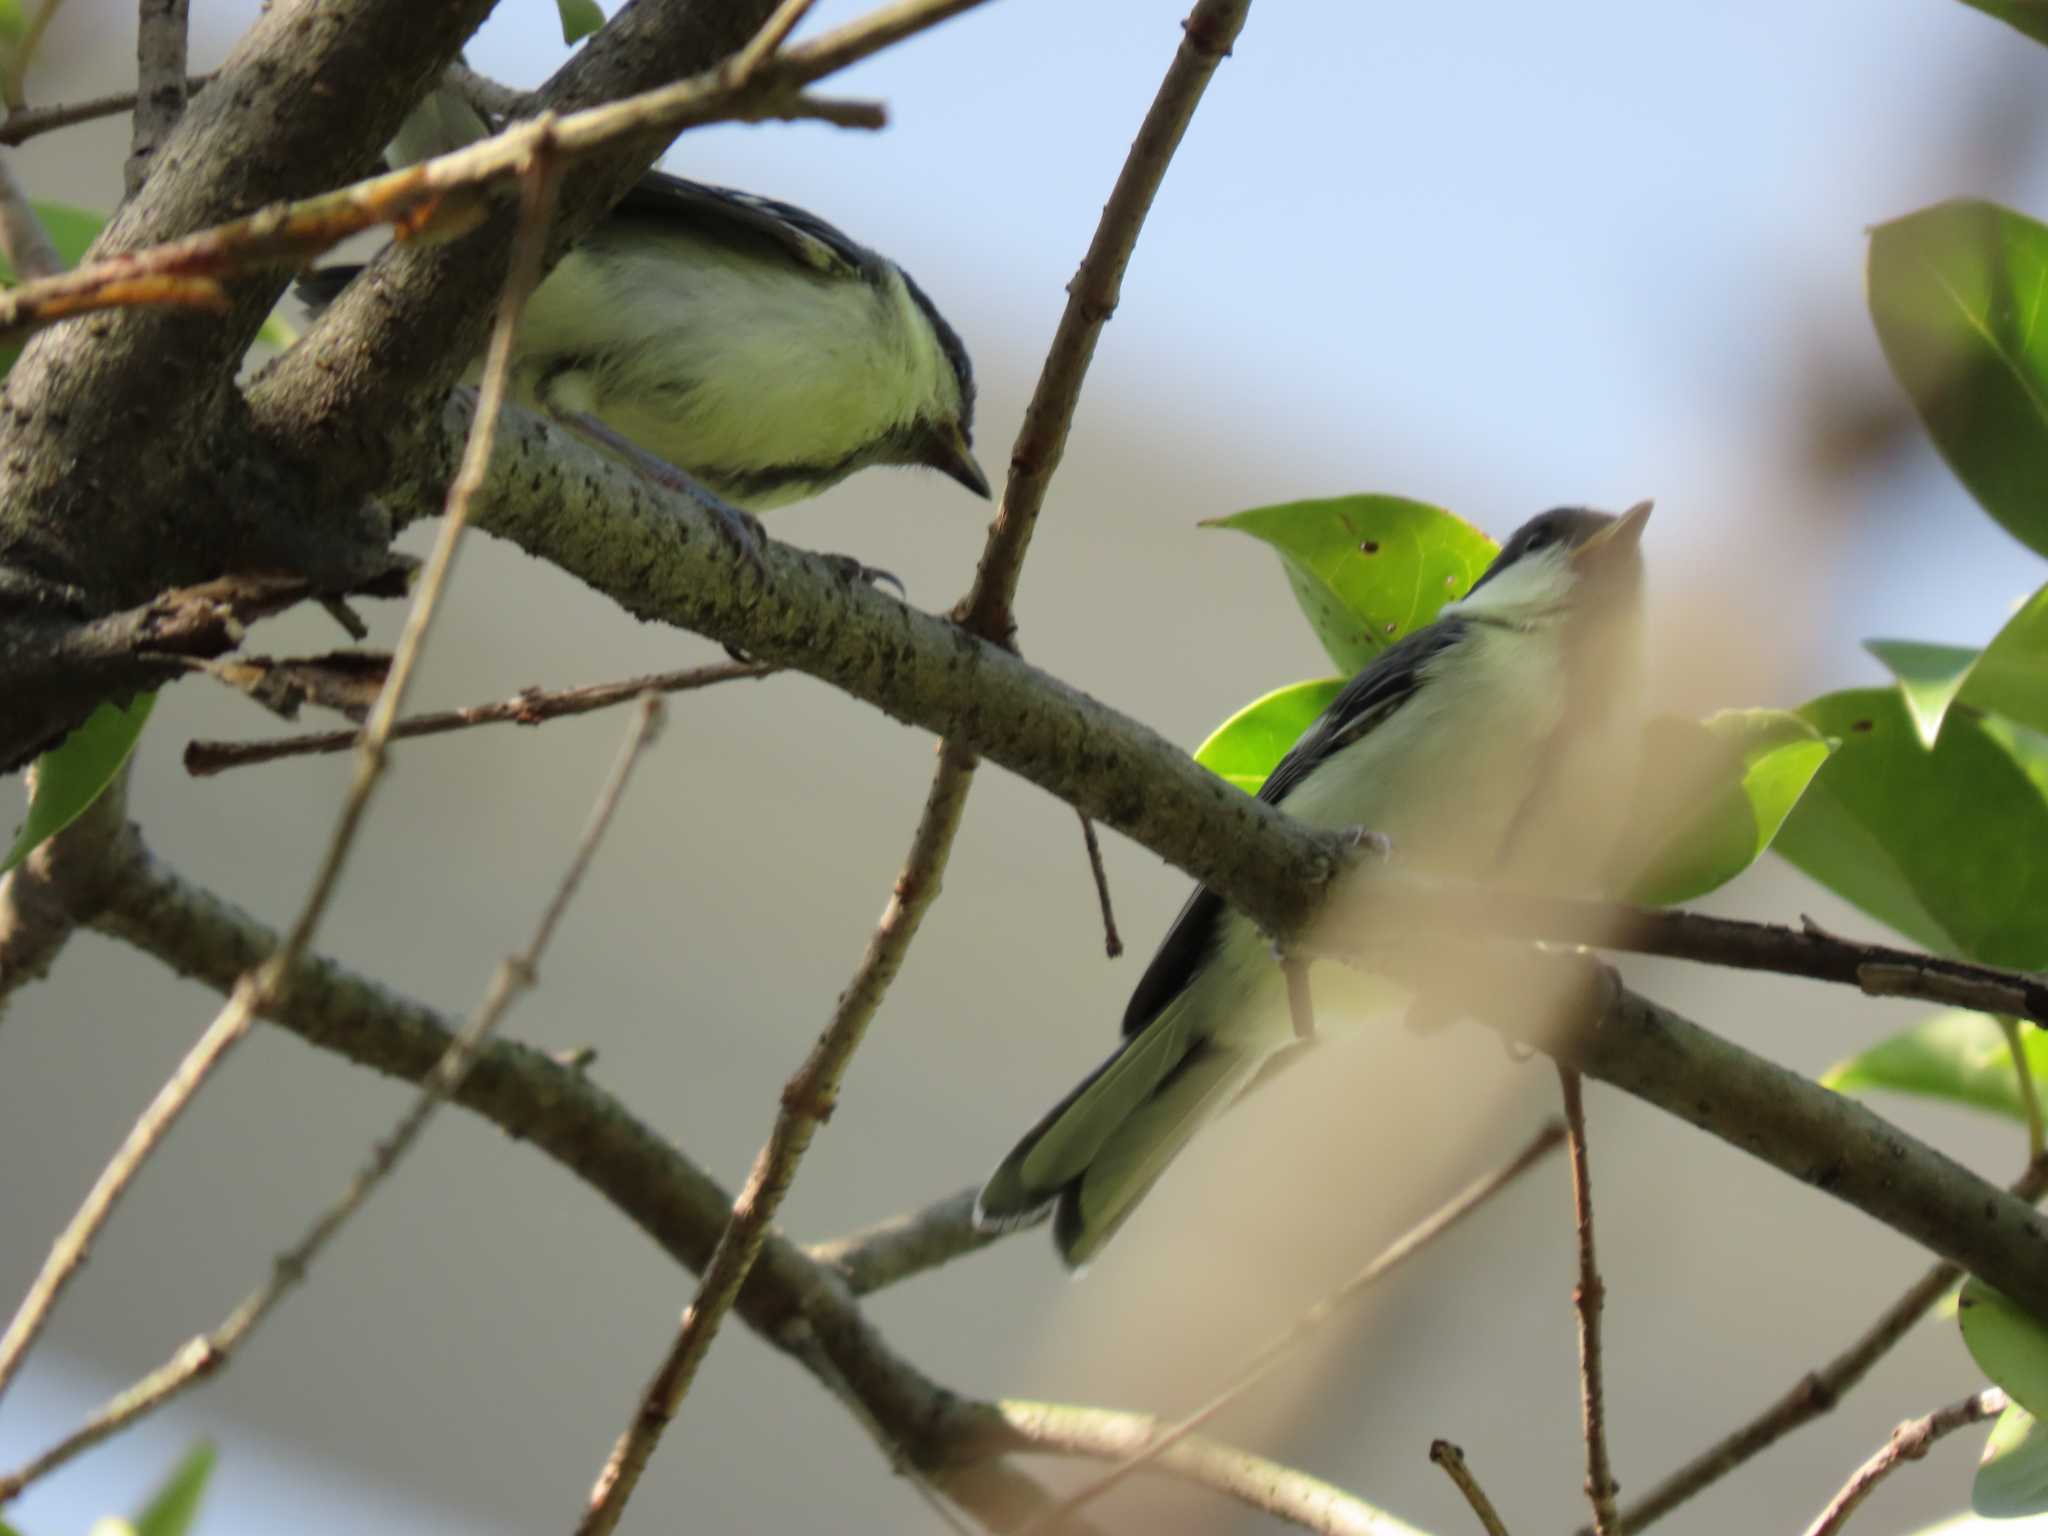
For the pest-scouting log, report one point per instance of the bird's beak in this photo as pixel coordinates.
(948, 453)
(1618, 537)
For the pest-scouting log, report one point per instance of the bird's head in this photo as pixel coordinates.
(940, 433)
(1566, 562)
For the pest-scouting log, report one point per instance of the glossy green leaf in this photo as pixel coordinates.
(1713, 794)
(2028, 16)
(175, 1504)
(1367, 570)
(1924, 839)
(2009, 1345)
(1957, 293)
(1929, 676)
(2012, 1478)
(1247, 746)
(71, 776)
(2008, 677)
(1954, 1055)
(580, 18)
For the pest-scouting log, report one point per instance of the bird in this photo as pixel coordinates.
(1497, 743)
(740, 341)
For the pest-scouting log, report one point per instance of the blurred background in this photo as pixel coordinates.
(1496, 258)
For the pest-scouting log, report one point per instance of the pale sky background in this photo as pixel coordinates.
(1497, 257)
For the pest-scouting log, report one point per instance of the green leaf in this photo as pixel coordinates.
(71, 775)
(175, 1504)
(1247, 746)
(580, 18)
(12, 23)
(2012, 1478)
(1924, 840)
(2008, 677)
(1930, 676)
(2007, 1343)
(1367, 570)
(2028, 16)
(1954, 1055)
(1957, 293)
(1713, 794)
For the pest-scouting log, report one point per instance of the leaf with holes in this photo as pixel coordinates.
(1957, 293)
(1923, 839)
(72, 775)
(1954, 1055)
(1249, 745)
(1712, 795)
(1367, 570)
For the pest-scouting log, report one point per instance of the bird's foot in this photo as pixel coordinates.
(850, 569)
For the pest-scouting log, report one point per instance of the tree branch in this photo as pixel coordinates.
(1266, 1486)
(1909, 1442)
(1452, 1459)
(896, 1249)
(160, 52)
(1815, 1393)
(203, 1357)
(1588, 1297)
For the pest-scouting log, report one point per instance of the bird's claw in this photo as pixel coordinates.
(847, 567)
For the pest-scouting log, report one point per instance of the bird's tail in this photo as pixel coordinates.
(1098, 1150)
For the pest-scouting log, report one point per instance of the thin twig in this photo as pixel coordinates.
(1588, 1298)
(160, 53)
(1815, 1393)
(894, 1250)
(1267, 1486)
(1397, 1253)
(2030, 1096)
(773, 34)
(203, 1357)
(529, 706)
(1909, 1442)
(810, 1093)
(1452, 1459)
(807, 1101)
(1112, 941)
(260, 987)
(25, 123)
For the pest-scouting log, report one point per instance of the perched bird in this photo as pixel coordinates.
(744, 342)
(1497, 743)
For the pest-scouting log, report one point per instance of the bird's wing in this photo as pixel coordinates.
(719, 213)
(1365, 703)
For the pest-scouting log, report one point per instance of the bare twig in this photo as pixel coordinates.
(2030, 1096)
(260, 987)
(18, 127)
(1909, 1442)
(72, 1245)
(1402, 1249)
(902, 1246)
(1267, 1486)
(1112, 941)
(203, 1357)
(23, 239)
(810, 1093)
(529, 706)
(1588, 1298)
(807, 1101)
(1452, 1460)
(1816, 1392)
(160, 51)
